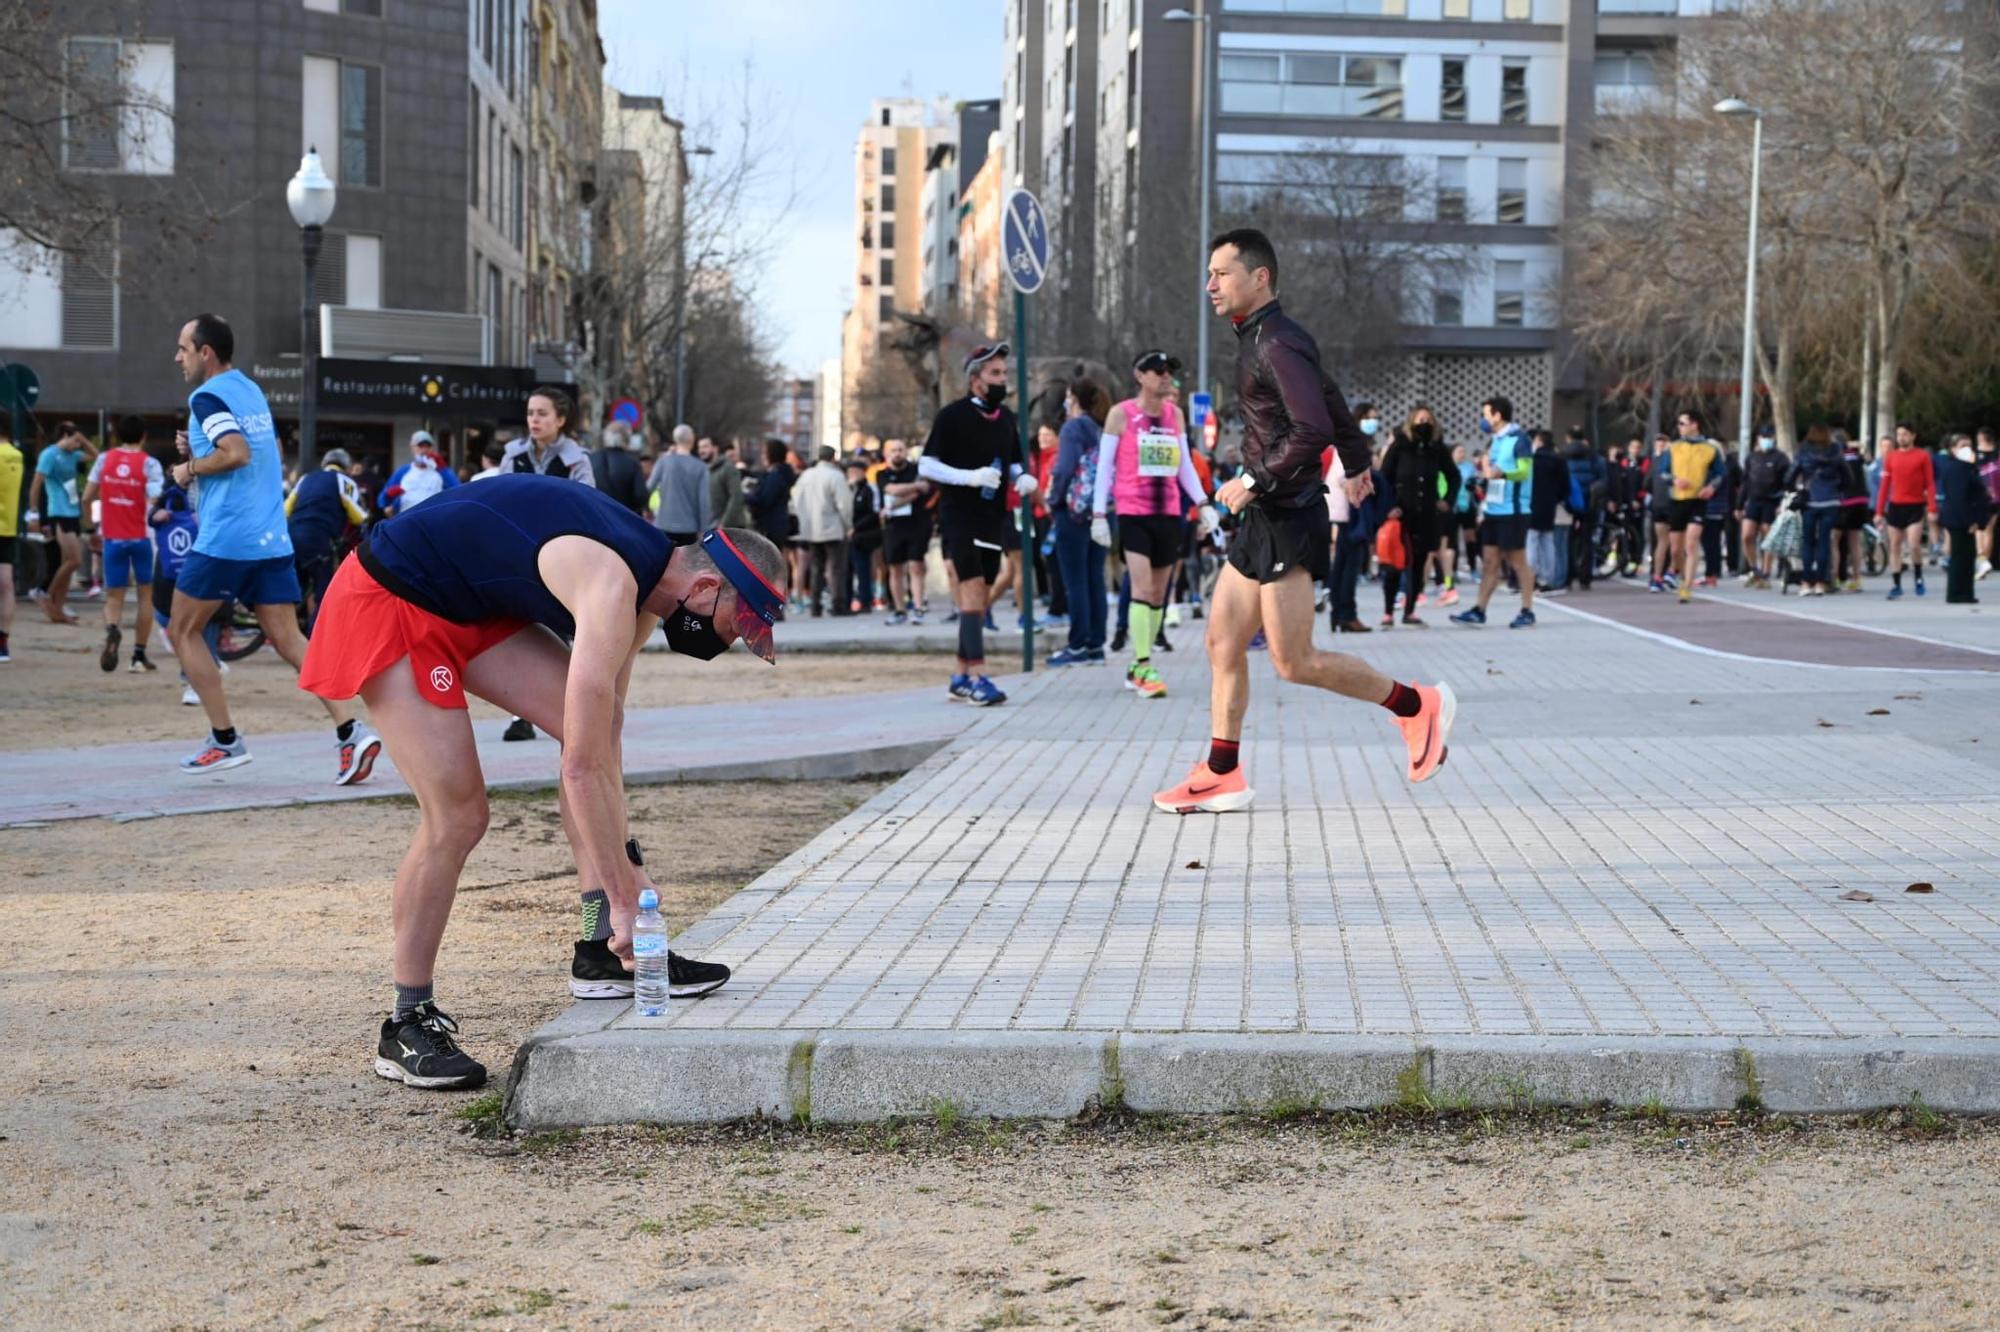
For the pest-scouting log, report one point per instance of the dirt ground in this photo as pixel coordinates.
(191, 1136)
(53, 694)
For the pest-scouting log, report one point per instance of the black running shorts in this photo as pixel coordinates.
(1157, 538)
(906, 540)
(973, 557)
(1271, 543)
(1901, 516)
(1687, 513)
(1504, 532)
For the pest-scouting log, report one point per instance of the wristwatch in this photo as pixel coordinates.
(632, 852)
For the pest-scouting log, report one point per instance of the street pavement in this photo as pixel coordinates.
(1634, 879)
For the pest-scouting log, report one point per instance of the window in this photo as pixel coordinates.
(362, 8)
(888, 234)
(1625, 81)
(1510, 202)
(517, 213)
(888, 272)
(1517, 11)
(90, 98)
(888, 197)
(886, 307)
(496, 301)
(495, 191)
(472, 150)
(1514, 92)
(1300, 83)
(888, 161)
(1447, 308)
(360, 125)
(330, 271)
(1458, 9)
(1451, 189)
(90, 295)
(1451, 89)
(1510, 280)
(118, 106)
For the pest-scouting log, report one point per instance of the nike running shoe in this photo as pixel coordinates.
(1472, 616)
(917, 616)
(519, 729)
(983, 693)
(420, 1051)
(1920, 585)
(1207, 792)
(355, 758)
(1449, 598)
(1068, 657)
(1147, 682)
(215, 756)
(1656, 585)
(1132, 675)
(107, 660)
(1427, 734)
(1258, 642)
(1896, 593)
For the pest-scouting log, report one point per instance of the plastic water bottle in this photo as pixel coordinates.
(649, 952)
(987, 492)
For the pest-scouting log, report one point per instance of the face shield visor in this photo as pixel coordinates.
(757, 602)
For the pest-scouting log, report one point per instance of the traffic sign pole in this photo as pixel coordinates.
(1024, 241)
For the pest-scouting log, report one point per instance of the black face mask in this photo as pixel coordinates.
(995, 395)
(693, 634)
(1423, 432)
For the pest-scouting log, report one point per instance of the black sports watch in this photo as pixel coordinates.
(632, 852)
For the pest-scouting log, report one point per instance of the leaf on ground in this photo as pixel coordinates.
(1856, 895)
(1878, 712)
(1694, 702)
(1194, 864)
(1920, 888)
(1825, 723)
(1909, 698)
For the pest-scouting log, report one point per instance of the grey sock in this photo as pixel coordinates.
(596, 916)
(408, 997)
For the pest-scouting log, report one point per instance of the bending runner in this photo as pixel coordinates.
(241, 550)
(966, 458)
(1145, 465)
(1291, 412)
(127, 480)
(469, 593)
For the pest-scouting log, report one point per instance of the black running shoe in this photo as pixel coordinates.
(519, 729)
(595, 972)
(420, 1050)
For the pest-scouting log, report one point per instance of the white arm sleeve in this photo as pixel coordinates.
(1107, 468)
(156, 480)
(1190, 479)
(931, 469)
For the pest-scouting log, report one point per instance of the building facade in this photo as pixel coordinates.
(795, 414)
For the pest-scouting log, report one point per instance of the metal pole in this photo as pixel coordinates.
(680, 371)
(1865, 435)
(1202, 312)
(1027, 588)
(308, 359)
(1750, 292)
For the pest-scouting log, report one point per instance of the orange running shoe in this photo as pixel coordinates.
(1148, 683)
(1207, 792)
(1428, 732)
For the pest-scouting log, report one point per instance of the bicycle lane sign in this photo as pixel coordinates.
(1024, 240)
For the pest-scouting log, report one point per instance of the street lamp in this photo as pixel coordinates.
(310, 196)
(1736, 106)
(680, 302)
(1202, 312)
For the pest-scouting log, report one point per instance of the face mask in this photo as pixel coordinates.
(1424, 432)
(1485, 426)
(1766, 445)
(994, 396)
(693, 635)
(1369, 425)
(1962, 454)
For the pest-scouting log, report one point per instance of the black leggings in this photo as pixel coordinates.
(1419, 541)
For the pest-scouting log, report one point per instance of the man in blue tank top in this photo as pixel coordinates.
(474, 591)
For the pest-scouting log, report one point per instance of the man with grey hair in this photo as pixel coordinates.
(616, 469)
(681, 482)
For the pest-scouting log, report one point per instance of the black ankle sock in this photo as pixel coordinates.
(1222, 755)
(1403, 701)
(225, 736)
(1898, 576)
(345, 730)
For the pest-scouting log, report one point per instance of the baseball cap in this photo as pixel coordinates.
(983, 353)
(423, 437)
(1157, 360)
(335, 458)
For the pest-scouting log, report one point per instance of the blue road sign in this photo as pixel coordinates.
(1024, 240)
(1199, 406)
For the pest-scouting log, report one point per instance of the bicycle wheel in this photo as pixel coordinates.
(1874, 555)
(241, 633)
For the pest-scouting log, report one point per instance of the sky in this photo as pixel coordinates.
(813, 66)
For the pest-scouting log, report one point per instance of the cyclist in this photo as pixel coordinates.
(319, 512)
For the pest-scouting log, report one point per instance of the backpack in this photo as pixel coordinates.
(1079, 498)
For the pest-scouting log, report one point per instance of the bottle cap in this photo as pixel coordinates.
(648, 899)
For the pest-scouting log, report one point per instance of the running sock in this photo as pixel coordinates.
(345, 730)
(1403, 701)
(225, 737)
(1222, 755)
(596, 916)
(1898, 577)
(971, 636)
(410, 997)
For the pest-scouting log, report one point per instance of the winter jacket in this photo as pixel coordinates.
(1962, 498)
(1824, 474)
(1412, 470)
(1551, 488)
(1291, 412)
(1765, 477)
(770, 502)
(825, 503)
(1589, 477)
(619, 475)
(725, 494)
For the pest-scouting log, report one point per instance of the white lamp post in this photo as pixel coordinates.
(1202, 311)
(680, 300)
(310, 196)
(1736, 106)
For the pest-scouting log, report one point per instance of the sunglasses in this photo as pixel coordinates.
(1159, 363)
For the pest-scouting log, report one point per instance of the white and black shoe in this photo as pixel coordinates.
(419, 1050)
(595, 972)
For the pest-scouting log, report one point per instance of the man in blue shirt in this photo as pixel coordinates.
(1503, 529)
(242, 551)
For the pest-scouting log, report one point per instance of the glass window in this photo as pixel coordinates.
(888, 161)
(472, 149)
(1447, 308)
(1451, 89)
(1514, 92)
(1248, 68)
(1458, 9)
(360, 125)
(888, 235)
(1313, 84)
(888, 273)
(1511, 203)
(1451, 189)
(888, 197)
(365, 8)
(1510, 281)
(520, 204)
(90, 100)
(1517, 10)
(886, 307)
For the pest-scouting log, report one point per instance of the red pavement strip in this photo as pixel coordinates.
(1721, 626)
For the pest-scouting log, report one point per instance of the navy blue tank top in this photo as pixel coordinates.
(468, 554)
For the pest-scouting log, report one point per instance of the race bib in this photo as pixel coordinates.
(69, 489)
(1159, 454)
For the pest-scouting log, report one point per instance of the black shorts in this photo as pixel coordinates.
(1853, 517)
(53, 523)
(1682, 514)
(906, 540)
(1761, 510)
(1159, 537)
(1010, 535)
(1900, 516)
(973, 557)
(1270, 543)
(1504, 531)
(6, 550)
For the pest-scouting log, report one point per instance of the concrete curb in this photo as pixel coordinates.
(590, 1067)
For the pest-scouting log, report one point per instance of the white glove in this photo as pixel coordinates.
(1210, 520)
(1100, 532)
(987, 478)
(1026, 485)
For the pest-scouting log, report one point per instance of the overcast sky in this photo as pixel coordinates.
(819, 64)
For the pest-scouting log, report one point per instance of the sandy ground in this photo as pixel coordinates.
(52, 694)
(191, 1136)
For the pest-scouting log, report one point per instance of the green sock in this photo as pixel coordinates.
(1145, 623)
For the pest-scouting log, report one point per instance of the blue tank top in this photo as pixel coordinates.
(468, 554)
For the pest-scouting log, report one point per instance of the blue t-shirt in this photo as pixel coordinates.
(242, 511)
(173, 537)
(58, 468)
(469, 554)
(1512, 491)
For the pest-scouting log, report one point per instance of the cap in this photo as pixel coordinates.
(648, 900)
(423, 437)
(758, 604)
(983, 353)
(1157, 360)
(335, 458)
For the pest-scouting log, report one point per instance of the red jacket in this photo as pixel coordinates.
(1907, 478)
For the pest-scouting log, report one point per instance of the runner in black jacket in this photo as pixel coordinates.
(1291, 412)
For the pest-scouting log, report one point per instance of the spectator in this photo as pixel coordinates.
(1548, 549)
(1660, 507)
(434, 476)
(1765, 481)
(825, 507)
(550, 448)
(1626, 517)
(1822, 471)
(1907, 494)
(1422, 484)
(1080, 560)
(1989, 472)
(858, 594)
(490, 454)
(725, 483)
(1963, 508)
(770, 502)
(682, 484)
(1586, 495)
(615, 467)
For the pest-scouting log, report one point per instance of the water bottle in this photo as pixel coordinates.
(649, 952)
(987, 492)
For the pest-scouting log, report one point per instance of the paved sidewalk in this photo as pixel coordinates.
(1627, 882)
